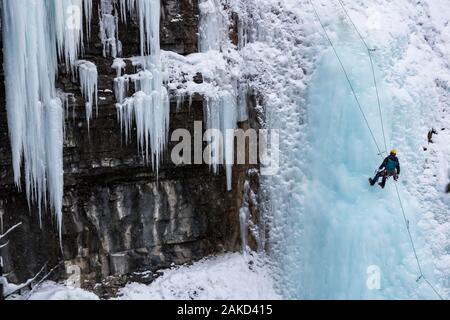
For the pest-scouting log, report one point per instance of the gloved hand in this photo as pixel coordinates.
(396, 177)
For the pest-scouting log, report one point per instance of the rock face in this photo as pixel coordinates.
(119, 215)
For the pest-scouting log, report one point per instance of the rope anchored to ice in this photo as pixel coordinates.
(380, 152)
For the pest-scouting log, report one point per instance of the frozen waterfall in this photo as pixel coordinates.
(228, 105)
(35, 34)
(40, 33)
(149, 106)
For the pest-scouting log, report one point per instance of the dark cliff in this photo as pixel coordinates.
(119, 216)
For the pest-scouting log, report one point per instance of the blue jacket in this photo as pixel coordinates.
(391, 163)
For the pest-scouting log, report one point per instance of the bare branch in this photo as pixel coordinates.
(42, 280)
(26, 284)
(10, 230)
(4, 245)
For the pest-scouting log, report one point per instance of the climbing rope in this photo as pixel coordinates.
(369, 50)
(421, 275)
(348, 79)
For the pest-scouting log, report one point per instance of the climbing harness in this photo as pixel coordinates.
(370, 50)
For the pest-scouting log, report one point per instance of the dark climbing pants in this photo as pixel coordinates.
(385, 174)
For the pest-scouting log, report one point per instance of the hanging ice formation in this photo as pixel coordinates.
(39, 32)
(149, 107)
(89, 86)
(109, 29)
(36, 33)
(229, 105)
(225, 94)
(119, 65)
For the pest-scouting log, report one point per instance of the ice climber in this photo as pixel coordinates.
(389, 168)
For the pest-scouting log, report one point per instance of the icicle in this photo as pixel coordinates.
(31, 32)
(148, 13)
(54, 122)
(126, 6)
(222, 110)
(109, 29)
(35, 34)
(149, 107)
(244, 218)
(89, 86)
(221, 115)
(88, 14)
(242, 112)
(67, 19)
(121, 87)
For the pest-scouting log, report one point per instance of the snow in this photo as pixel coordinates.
(220, 277)
(227, 277)
(119, 65)
(53, 291)
(181, 71)
(10, 288)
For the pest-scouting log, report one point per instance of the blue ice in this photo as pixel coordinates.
(353, 243)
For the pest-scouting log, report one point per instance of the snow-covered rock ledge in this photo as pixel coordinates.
(221, 277)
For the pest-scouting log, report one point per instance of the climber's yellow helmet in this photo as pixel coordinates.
(394, 152)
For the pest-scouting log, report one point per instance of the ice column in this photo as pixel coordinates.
(220, 114)
(213, 29)
(88, 14)
(109, 29)
(221, 110)
(66, 21)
